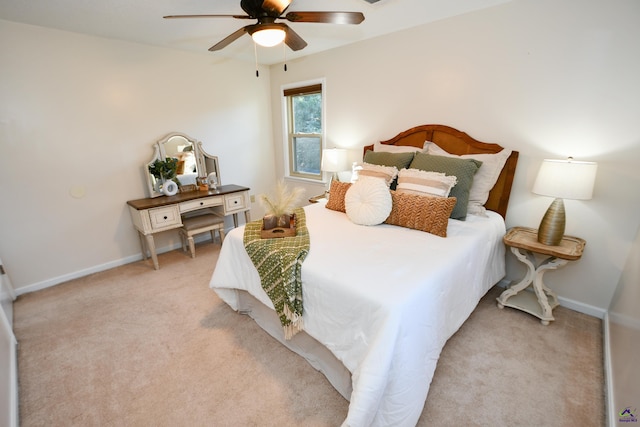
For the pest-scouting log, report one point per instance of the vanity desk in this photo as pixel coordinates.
(193, 166)
(154, 215)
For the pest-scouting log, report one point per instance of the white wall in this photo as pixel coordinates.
(548, 78)
(78, 117)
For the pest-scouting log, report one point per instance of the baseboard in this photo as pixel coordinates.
(77, 274)
(582, 307)
(98, 268)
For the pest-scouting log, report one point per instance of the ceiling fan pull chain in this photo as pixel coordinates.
(255, 54)
(284, 49)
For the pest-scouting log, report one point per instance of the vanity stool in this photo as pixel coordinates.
(191, 226)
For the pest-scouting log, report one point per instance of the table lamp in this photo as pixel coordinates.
(562, 179)
(334, 160)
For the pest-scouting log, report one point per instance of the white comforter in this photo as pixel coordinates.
(383, 299)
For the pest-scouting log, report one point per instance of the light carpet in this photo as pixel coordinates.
(137, 347)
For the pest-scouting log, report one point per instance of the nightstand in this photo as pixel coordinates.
(524, 245)
(318, 198)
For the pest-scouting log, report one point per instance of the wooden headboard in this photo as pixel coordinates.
(458, 142)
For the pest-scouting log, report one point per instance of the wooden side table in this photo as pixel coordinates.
(524, 245)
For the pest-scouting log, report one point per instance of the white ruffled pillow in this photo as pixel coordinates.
(484, 179)
(368, 202)
(429, 183)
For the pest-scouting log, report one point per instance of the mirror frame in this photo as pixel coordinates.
(202, 160)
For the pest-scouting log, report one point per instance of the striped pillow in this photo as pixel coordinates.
(463, 169)
(416, 181)
(386, 173)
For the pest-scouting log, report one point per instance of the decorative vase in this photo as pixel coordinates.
(169, 188)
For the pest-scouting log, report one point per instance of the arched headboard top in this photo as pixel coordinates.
(457, 142)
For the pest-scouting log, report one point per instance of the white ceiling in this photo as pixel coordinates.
(141, 21)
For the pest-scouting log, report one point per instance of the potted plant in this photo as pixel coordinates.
(164, 170)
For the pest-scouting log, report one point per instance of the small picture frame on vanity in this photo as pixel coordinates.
(187, 188)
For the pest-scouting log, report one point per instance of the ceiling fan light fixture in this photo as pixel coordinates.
(269, 37)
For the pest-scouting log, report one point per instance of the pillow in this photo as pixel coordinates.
(425, 183)
(368, 202)
(399, 160)
(484, 180)
(424, 213)
(386, 173)
(463, 169)
(387, 148)
(336, 195)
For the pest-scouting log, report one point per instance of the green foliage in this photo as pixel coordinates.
(307, 155)
(307, 119)
(164, 169)
(307, 113)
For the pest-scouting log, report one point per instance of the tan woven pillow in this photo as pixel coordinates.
(336, 196)
(424, 213)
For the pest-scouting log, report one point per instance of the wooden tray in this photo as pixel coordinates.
(279, 232)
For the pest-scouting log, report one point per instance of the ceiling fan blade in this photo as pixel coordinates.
(293, 40)
(326, 17)
(231, 38)
(207, 16)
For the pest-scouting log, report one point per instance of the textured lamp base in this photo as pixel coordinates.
(551, 228)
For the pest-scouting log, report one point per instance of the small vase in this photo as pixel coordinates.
(169, 188)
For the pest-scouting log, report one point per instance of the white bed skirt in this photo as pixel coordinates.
(302, 343)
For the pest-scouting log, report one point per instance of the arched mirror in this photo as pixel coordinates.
(208, 164)
(192, 162)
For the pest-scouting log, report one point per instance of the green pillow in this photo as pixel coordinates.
(383, 158)
(463, 169)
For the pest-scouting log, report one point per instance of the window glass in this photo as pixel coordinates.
(304, 124)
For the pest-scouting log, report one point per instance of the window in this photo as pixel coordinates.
(304, 114)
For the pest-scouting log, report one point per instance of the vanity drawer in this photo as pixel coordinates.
(206, 202)
(164, 217)
(236, 201)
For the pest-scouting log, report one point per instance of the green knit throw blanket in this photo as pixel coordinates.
(279, 264)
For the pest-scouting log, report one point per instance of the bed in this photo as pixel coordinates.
(381, 301)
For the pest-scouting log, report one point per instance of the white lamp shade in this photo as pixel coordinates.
(268, 37)
(334, 160)
(566, 179)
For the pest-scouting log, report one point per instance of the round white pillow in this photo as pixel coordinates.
(368, 202)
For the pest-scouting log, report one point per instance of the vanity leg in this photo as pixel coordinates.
(152, 249)
(143, 245)
(247, 216)
(235, 220)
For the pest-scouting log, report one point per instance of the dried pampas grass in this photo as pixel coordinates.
(283, 201)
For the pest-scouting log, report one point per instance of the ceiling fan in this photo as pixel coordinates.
(267, 32)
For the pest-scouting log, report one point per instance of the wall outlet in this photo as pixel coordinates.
(253, 198)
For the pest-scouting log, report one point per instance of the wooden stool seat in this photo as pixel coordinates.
(200, 224)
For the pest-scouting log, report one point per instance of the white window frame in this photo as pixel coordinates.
(286, 145)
